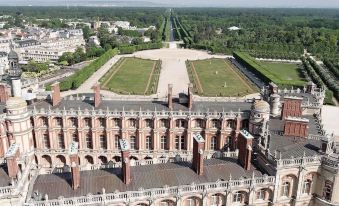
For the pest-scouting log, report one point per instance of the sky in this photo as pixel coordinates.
(181, 3)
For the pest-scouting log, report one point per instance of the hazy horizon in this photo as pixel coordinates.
(180, 3)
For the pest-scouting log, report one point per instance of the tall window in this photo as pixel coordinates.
(73, 122)
(237, 197)
(230, 123)
(260, 194)
(180, 143)
(103, 143)
(132, 123)
(116, 122)
(58, 122)
(180, 123)
(46, 141)
(213, 143)
(215, 200)
(215, 123)
(102, 122)
(149, 123)
(307, 186)
(89, 144)
(148, 142)
(327, 193)
(199, 123)
(285, 190)
(61, 141)
(133, 142)
(75, 137)
(163, 123)
(116, 141)
(163, 142)
(44, 121)
(190, 202)
(87, 122)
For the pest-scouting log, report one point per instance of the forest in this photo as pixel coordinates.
(267, 33)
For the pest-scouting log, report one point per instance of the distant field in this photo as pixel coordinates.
(218, 77)
(284, 71)
(132, 76)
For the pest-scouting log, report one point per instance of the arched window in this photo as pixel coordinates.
(163, 123)
(58, 122)
(285, 189)
(213, 145)
(230, 123)
(199, 123)
(163, 142)
(191, 202)
(102, 122)
(116, 122)
(149, 123)
(89, 144)
(216, 200)
(46, 142)
(132, 123)
(61, 141)
(307, 186)
(215, 123)
(260, 194)
(88, 122)
(327, 192)
(103, 143)
(148, 142)
(238, 197)
(133, 142)
(73, 122)
(180, 123)
(44, 121)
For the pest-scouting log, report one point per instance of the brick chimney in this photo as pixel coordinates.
(4, 93)
(296, 127)
(170, 96)
(56, 98)
(190, 96)
(291, 107)
(198, 154)
(75, 169)
(126, 168)
(11, 156)
(245, 149)
(97, 96)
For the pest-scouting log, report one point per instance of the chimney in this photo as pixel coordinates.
(296, 127)
(198, 154)
(75, 169)
(273, 88)
(12, 165)
(310, 87)
(56, 99)
(126, 168)
(190, 96)
(291, 107)
(245, 149)
(97, 96)
(169, 96)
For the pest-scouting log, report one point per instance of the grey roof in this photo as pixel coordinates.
(4, 178)
(13, 55)
(3, 54)
(27, 42)
(147, 176)
(129, 105)
(306, 96)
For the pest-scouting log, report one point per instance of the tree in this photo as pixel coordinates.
(86, 32)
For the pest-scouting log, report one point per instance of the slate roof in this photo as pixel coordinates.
(146, 177)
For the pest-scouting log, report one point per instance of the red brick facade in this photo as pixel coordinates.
(75, 170)
(291, 107)
(245, 150)
(295, 127)
(97, 96)
(126, 168)
(198, 156)
(56, 98)
(4, 93)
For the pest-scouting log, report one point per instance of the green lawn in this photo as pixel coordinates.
(218, 77)
(284, 71)
(129, 76)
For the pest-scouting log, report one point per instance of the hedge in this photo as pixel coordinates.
(129, 49)
(78, 78)
(260, 70)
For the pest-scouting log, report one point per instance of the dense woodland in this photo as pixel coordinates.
(269, 33)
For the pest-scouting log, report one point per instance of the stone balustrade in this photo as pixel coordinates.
(157, 193)
(283, 163)
(331, 162)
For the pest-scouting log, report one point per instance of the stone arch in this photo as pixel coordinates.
(60, 161)
(46, 161)
(116, 159)
(89, 160)
(263, 194)
(166, 202)
(102, 160)
(288, 185)
(240, 196)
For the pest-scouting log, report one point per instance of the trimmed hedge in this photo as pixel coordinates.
(261, 71)
(75, 80)
(130, 49)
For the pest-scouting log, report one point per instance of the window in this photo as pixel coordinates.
(116, 122)
(46, 141)
(228, 142)
(89, 144)
(133, 142)
(190, 202)
(180, 123)
(213, 145)
(75, 137)
(116, 141)
(199, 123)
(237, 197)
(132, 123)
(163, 123)
(44, 121)
(102, 122)
(215, 200)
(163, 142)
(58, 122)
(61, 141)
(307, 186)
(149, 123)
(285, 189)
(260, 194)
(230, 123)
(87, 122)
(73, 122)
(215, 123)
(327, 193)
(102, 141)
(148, 142)
(177, 142)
